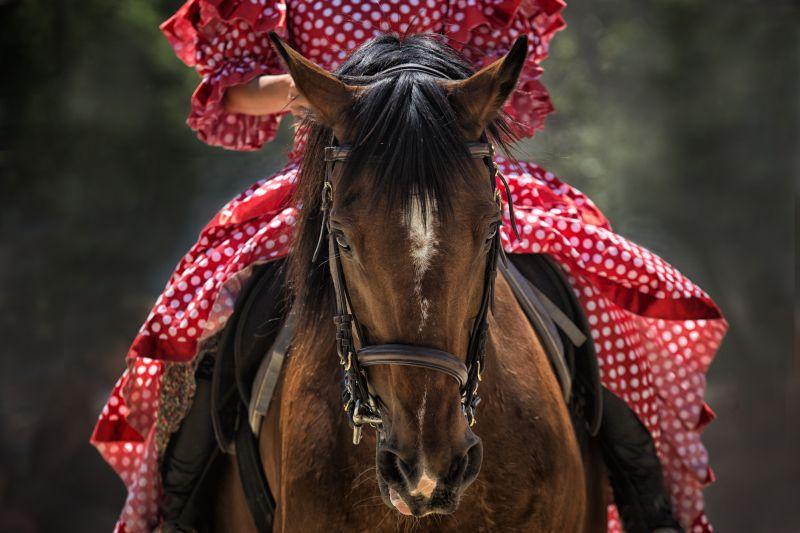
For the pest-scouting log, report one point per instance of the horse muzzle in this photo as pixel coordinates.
(411, 486)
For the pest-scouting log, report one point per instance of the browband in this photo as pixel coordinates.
(477, 150)
(413, 67)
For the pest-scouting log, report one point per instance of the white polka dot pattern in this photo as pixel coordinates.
(226, 41)
(655, 331)
(124, 436)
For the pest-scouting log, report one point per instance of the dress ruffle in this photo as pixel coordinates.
(484, 30)
(654, 330)
(226, 42)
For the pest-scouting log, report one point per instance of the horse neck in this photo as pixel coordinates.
(519, 390)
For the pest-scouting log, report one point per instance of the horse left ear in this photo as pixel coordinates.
(330, 98)
(479, 98)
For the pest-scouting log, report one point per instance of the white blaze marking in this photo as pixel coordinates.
(421, 411)
(423, 248)
(425, 486)
(421, 422)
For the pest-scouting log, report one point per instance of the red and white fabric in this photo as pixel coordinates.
(655, 331)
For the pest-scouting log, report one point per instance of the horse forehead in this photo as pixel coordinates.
(420, 221)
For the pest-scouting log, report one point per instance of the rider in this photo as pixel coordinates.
(654, 330)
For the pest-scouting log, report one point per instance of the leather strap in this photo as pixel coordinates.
(251, 471)
(477, 150)
(480, 150)
(570, 329)
(267, 376)
(413, 67)
(419, 356)
(548, 336)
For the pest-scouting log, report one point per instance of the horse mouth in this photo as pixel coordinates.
(399, 503)
(440, 502)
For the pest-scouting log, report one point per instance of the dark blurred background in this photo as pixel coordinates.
(679, 117)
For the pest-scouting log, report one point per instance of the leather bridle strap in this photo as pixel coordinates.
(360, 404)
(406, 355)
(413, 67)
(477, 150)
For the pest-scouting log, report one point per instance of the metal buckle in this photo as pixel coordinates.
(360, 419)
(327, 195)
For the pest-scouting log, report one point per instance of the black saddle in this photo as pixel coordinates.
(257, 336)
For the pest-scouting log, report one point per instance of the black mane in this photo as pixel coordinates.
(404, 129)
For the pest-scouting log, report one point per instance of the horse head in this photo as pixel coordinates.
(410, 220)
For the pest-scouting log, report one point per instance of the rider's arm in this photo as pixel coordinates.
(264, 95)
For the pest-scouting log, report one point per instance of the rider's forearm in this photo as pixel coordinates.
(264, 95)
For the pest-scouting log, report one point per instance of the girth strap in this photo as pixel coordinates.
(570, 329)
(251, 471)
(405, 355)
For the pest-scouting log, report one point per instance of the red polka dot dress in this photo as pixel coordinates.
(655, 331)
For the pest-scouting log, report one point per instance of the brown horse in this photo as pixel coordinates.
(414, 221)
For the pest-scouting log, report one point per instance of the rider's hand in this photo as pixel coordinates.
(298, 105)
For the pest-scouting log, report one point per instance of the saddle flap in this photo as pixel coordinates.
(250, 331)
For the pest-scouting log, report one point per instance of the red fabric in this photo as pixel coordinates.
(485, 30)
(226, 42)
(655, 331)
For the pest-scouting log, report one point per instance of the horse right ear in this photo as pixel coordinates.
(480, 97)
(330, 98)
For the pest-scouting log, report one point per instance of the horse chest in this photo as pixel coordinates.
(319, 477)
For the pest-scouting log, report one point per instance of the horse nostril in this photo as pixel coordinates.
(473, 459)
(393, 468)
(465, 467)
(405, 468)
(458, 468)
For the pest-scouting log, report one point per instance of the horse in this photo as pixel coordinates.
(399, 227)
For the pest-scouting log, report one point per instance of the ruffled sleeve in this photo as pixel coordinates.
(226, 41)
(484, 30)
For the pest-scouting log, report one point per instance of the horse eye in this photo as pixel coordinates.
(341, 241)
(492, 231)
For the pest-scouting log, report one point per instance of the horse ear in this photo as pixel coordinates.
(329, 98)
(478, 98)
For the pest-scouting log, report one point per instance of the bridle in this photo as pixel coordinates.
(360, 404)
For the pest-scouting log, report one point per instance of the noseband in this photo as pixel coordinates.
(360, 404)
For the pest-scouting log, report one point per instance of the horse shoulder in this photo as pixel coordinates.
(529, 441)
(309, 458)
